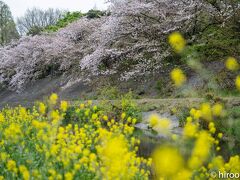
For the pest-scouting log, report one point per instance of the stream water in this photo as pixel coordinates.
(151, 139)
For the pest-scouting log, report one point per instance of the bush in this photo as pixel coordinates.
(95, 14)
(108, 93)
(35, 31)
(73, 16)
(214, 43)
(63, 22)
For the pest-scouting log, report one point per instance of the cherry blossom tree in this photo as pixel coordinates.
(130, 42)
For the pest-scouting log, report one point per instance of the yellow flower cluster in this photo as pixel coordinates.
(208, 112)
(171, 160)
(37, 143)
(117, 162)
(194, 153)
(24, 171)
(11, 166)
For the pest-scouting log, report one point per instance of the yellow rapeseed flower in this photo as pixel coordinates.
(134, 120)
(220, 135)
(217, 109)
(211, 127)
(53, 98)
(42, 108)
(105, 118)
(178, 77)
(123, 115)
(167, 162)
(189, 119)
(234, 164)
(163, 126)
(197, 114)
(192, 111)
(237, 82)
(11, 166)
(68, 176)
(64, 106)
(232, 64)
(13, 132)
(95, 108)
(190, 130)
(35, 174)
(177, 41)
(201, 150)
(117, 160)
(89, 102)
(25, 172)
(55, 116)
(206, 111)
(3, 156)
(153, 120)
(82, 106)
(1, 118)
(217, 162)
(164, 123)
(184, 175)
(94, 116)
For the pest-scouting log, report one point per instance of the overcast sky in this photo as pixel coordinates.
(18, 7)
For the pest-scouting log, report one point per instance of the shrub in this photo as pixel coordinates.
(108, 93)
(95, 14)
(68, 18)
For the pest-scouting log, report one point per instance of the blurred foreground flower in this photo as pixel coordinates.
(42, 108)
(53, 98)
(238, 82)
(161, 125)
(117, 161)
(177, 42)
(217, 109)
(201, 150)
(232, 64)
(64, 106)
(168, 163)
(178, 77)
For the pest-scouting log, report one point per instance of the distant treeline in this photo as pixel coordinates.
(70, 17)
(36, 20)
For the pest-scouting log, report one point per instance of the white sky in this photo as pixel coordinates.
(18, 7)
